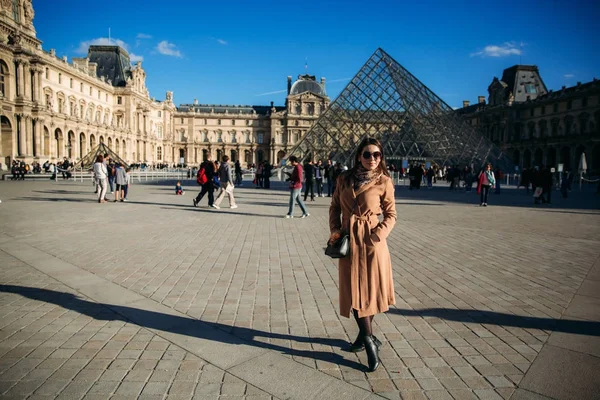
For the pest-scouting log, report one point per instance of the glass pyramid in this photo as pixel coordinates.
(387, 102)
(87, 162)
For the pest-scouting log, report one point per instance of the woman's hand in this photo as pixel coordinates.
(335, 235)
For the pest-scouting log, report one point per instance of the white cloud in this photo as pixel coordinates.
(135, 57)
(568, 76)
(143, 36)
(102, 41)
(168, 49)
(268, 93)
(221, 41)
(507, 49)
(339, 80)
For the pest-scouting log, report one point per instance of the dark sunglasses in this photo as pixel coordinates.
(367, 155)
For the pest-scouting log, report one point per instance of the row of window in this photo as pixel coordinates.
(81, 86)
(555, 106)
(205, 121)
(543, 129)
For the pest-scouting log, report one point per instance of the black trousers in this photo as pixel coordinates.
(209, 188)
(485, 190)
(310, 185)
(319, 187)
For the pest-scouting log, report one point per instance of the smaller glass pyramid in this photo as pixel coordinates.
(90, 158)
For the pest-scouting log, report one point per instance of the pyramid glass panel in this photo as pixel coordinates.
(387, 102)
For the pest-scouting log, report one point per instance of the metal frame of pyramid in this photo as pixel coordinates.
(90, 158)
(387, 102)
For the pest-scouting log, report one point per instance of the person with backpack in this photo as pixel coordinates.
(226, 182)
(486, 180)
(295, 180)
(205, 178)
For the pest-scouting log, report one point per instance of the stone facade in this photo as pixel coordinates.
(540, 127)
(51, 109)
(250, 134)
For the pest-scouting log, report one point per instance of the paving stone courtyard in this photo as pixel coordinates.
(155, 299)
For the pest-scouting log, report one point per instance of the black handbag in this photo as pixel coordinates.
(339, 248)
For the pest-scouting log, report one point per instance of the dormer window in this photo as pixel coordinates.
(530, 88)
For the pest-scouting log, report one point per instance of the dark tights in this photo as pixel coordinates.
(364, 324)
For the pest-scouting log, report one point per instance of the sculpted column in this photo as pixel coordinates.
(26, 81)
(39, 84)
(29, 127)
(39, 140)
(20, 77)
(35, 78)
(36, 137)
(22, 133)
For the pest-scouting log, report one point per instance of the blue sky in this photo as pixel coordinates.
(234, 52)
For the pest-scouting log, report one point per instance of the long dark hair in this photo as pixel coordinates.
(382, 168)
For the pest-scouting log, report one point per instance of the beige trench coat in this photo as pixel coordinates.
(366, 283)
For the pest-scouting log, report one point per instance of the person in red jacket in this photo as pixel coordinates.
(296, 189)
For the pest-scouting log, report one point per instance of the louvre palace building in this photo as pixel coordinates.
(50, 108)
(536, 126)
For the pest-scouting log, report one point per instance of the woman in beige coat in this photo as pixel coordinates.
(366, 287)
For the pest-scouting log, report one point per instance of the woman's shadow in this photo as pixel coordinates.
(184, 326)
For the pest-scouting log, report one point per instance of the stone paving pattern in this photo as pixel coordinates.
(479, 290)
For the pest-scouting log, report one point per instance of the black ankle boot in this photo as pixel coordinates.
(358, 344)
(372, 352)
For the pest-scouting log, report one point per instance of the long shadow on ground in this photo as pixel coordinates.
(184, 326)
(239, 335)
(590, 328)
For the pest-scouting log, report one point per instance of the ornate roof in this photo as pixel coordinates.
(113, 63)
(307, 83)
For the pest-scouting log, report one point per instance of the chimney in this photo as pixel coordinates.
(466, 103)
(271, 104)
(289, 79)
(323, 82)
(578, 83)
(195, 102)
(481, 99)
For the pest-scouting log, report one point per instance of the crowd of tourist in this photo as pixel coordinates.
(19, 169)
(108, 173)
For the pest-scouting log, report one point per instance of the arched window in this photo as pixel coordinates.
(4, 76)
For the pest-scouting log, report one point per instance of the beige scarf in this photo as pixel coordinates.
(363, 176)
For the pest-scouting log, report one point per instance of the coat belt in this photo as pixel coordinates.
(359, 230)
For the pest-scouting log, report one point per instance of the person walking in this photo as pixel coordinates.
(296, 189)
(309, 180)
(238, 173)
(120, 180)
(329, 175)
(366, 287)
(208, 187)
(226, 179)
(319, 178)
(101, 175)
(486, 181)
(267, 168)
